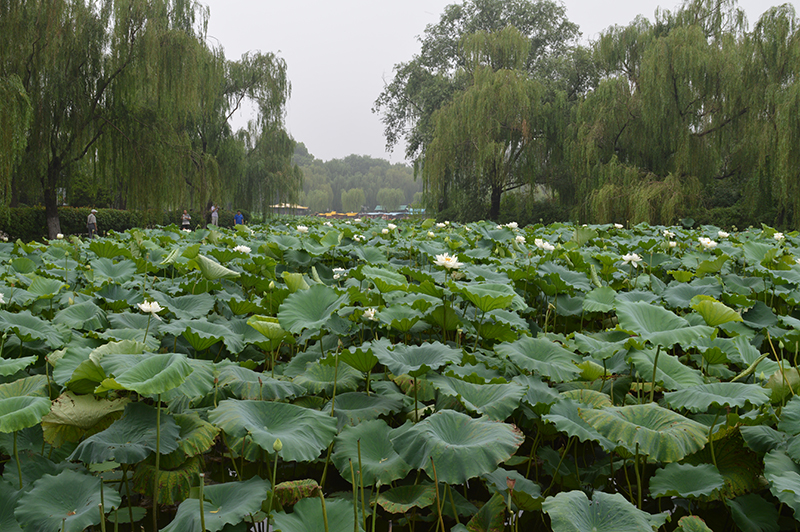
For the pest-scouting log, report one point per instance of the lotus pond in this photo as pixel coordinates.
(371, 376)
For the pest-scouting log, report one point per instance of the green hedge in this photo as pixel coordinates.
(30, 223)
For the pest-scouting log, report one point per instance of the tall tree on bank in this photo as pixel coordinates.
(433, 78)
(129, 92)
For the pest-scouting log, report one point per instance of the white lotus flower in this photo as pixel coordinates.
(707, 242)
(672, 243)
(384, 231)
(632, 258)
(449, 262)
(151, 307)
(391, 226)
(358, 238)
(430, 234)
(520, 239)
(778, 236)
(59, 236)
(723, 234)
(328, 224)
(302, 229)
(242, 249)
(357, 220)
(541, 244)
(2, 300)
(512, 225)
(338, 272)
(370, 314)
(441, 225)
(619, 226)
(669, 234)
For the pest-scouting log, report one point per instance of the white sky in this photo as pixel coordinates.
(339, 54)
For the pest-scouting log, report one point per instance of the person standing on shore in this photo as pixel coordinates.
(238, 218)
(91, 223)
(214, 215)
(186, 221)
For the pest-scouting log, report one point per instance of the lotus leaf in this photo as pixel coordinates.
(542, 356)
(497, 401)
(309, 309)
(145, 374)
(213, 270)
(351, 408)
(248, 384)
(572, 511)
(187, 307)
(403, 498)
(415, 360)
(686, 480)
(319, 378)
(565, 416)
(672, 374)
(378, 460)
(17, 413)
(82, 316)
(661, 434)
(658, 325)
(692, 523)
(752, 513)
(304, 432)
(73, 416)
(223, 504)
(66, 502)
(307, 516)
(731, 394)
(461, 447)
(526, 495)
(29, 328)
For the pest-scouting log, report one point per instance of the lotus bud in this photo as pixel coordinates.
(272, 285)
(510, 483)
(277, 446)
(780, 344)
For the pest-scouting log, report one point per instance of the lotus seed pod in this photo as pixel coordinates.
(277, 446)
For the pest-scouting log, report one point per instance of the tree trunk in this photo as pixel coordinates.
(494, 210)
(51, 199)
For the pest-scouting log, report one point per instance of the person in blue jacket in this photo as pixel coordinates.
(238, 219)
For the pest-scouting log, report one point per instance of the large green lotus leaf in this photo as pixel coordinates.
(107, 248)
(196, 436)
(118, 298)
(29, 328)
(731, 394)
(661, 434)
(542, 356)
(247, 384)
(692, 523)
(8, 501)
(37, 386)
(399, 317)
(713, 312)
(321, 379)
(105, 269)
(790, 416)
(131, 335)
(590, 398)
(572, 511)
(461, 447)
(73, 416)
(44, 287)
(564, 415)
(602, 346)
(202, 334)
(17, 413)
(562, 280)
(671, 373)
(762, 439)
(738, 465)
(489, 296)
(213, 270)
(378, 459)
(358, 357)
(268, 326)
(149, 374)
(526, 494)
(174, 484)
(295, 282)
(370, 255)
(84, 316)
(686, 480)
(679, 295)
(391, 280)
(130, 439)
(11, 366)
(658, 325)
(309, 309)
(490, 518)
(401, 499)
(496, 401)
(197, 385)
(307, 516)
(752, 513)
(415, 360)
(303, 432)
(187, 307)
(230, 503)
(600, 300)
(783, 475)
(69, 501)
(351, 408)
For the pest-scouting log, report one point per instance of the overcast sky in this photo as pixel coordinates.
(340, 53)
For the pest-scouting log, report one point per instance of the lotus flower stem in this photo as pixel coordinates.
(202, 512)
(361, 483)
(147, 329)
(563, 455)
(158, 461)
(710, 441)
(324, 510)
(274, 479)
(530, 457)
(327, 462)
(16, 457)
(127, 490)
(355, 496)
(416, 411)
(438, 502)
(638, 477)
(102, 507)
(453, 502)
(655, 369)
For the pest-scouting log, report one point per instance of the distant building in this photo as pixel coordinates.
(287, 208)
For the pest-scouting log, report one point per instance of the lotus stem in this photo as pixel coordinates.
(655, 369)
(416, 410)
(327, 462)
(335, 375)
(438, 502)
(375, 506)
(102, 507)
(147, 329)
(202, 511)
(324, 510)
(128, 491)
(355, 496)
(710, 441)
(555, 473)
(453, 502)
(276, 446)
(158, 461)
(530, 457)
(16, 457)
(361, 483)
(638, 477)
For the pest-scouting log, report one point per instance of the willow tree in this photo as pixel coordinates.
(438, 74)
(668, 121)
(15, 117)
(486, 133)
